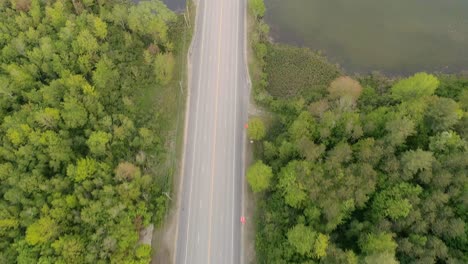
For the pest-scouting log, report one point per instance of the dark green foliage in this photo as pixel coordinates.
(452, 86)
(77, 149)
(373, 175)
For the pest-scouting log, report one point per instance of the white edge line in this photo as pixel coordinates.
(236, 123)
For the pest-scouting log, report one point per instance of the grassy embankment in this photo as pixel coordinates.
(169, 101)
(172, 101)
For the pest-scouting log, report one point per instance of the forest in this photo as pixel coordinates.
(82, 131)
(355, 170)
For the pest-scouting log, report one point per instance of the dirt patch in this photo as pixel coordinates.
(163, 240)
(146, 235)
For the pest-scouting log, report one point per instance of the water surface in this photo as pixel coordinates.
(175, 5)
(391, 36)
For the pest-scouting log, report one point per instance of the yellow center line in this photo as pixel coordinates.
(213, 151)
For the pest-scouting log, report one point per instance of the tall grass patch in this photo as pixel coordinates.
(294, 72)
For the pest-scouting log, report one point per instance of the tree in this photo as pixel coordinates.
(394, 202)
(257, 7)
(415, 161)
(398, 130)
(320, 246)
(41, 231)
(56, 14)
(126, 171)
(447, 142)
(292, 189)
(337, 255)
(150, 18)
(303, 126)
(378, 243)
(415, 87)
(381, 258)
(97, 142)
(86, 43)
(256, 129)
(318, 108)
(35, 11)
(48, 118)
(73, 113)
(270, 151)
(442, 114)
(309, 150)
(143, 252)
(302, 238)
(85, 168)
(70, 248)
(452, 86)
(345, 86)
(463, 101)
(100, 28)
(259, 176)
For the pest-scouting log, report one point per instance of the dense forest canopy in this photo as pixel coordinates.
(357, 171)
(78, 136)
(366, 173)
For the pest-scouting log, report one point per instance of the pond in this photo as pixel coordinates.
(175, 5)
(396, 37)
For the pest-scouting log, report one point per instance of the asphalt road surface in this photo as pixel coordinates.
(209, 228)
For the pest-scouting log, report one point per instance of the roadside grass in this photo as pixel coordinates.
(176, 107)
(168, 104)
(169, 101)
(177, 119)
(294, 72)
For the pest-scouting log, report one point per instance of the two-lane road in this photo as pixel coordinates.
(209, 230)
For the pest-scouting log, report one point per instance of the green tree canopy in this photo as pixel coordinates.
(442, 114)
(259, 176)
(385, 167)
(414, 87)
(302, 238)
(257, 7)
(97, 142)
(81, 134)
(256, 129)
(42, 231)
(378, 243)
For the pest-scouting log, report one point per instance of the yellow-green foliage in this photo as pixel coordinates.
(415, 87)
(259, 176)
(41, 231)
(256, 129)
(78, 149)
